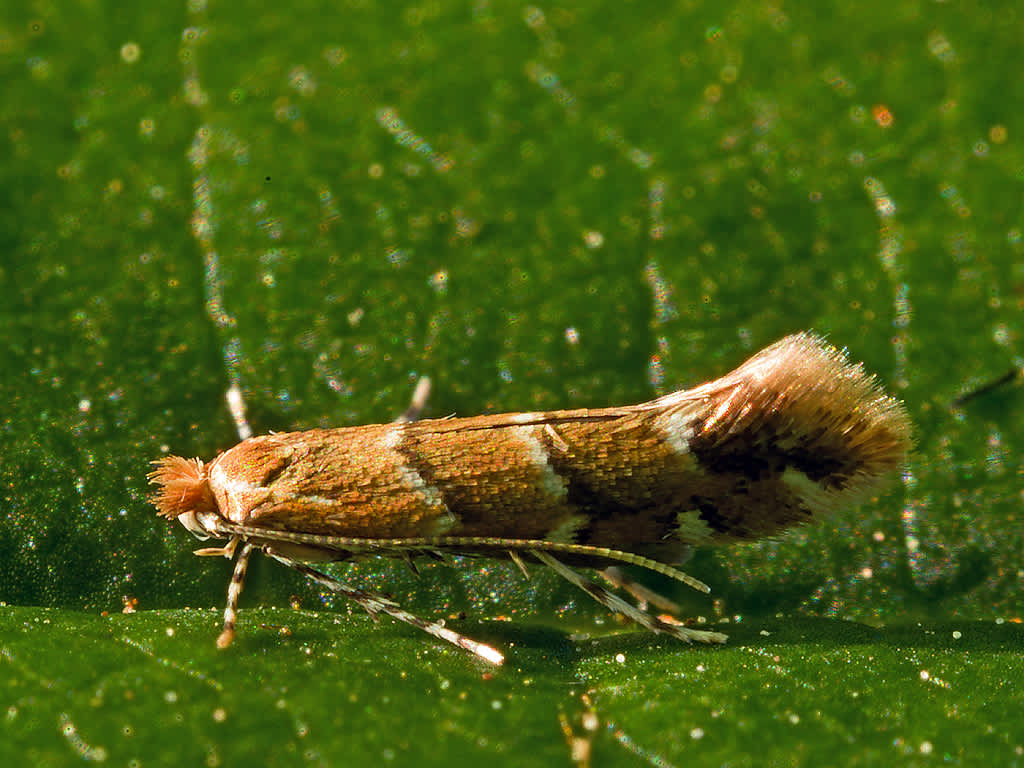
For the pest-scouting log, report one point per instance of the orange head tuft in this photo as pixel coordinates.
(182, 486)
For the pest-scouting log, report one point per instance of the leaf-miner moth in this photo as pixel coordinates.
(794, 434)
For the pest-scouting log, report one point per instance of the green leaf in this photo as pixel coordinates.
(298, 686)
(538, 207)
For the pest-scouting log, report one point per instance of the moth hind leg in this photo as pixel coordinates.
(616, 604)
(644, 595)
(375, 604)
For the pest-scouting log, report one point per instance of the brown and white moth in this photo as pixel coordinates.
(792, 435)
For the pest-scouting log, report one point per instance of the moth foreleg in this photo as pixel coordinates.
(374, 604)
(615, 603)
(234, 592)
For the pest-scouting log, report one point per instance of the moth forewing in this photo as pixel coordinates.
(794, 433)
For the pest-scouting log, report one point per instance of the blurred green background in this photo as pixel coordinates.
(538, 207)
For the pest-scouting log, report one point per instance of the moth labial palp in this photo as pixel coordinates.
(793, 434)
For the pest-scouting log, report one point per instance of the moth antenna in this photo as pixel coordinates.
(183, 486)
(393, 546)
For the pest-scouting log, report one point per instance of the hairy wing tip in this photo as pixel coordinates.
(804, 397)
(181, 485)
(851, 404)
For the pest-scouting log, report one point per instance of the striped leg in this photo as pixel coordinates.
(236, 404)
(615, 603)
(374, 604)
(234, 591)
(643, 595)
(418, 402)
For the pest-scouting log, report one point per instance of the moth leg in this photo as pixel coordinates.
(374, 604)
(418, 402)
(615, 603)
(236, 404)
(228, 550)
(556, 438)
(519, 562)
(411, 563)
(234, 592)
(644, 595)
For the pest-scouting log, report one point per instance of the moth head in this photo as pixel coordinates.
(183, 492)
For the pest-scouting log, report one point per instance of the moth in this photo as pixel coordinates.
(794, 434)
